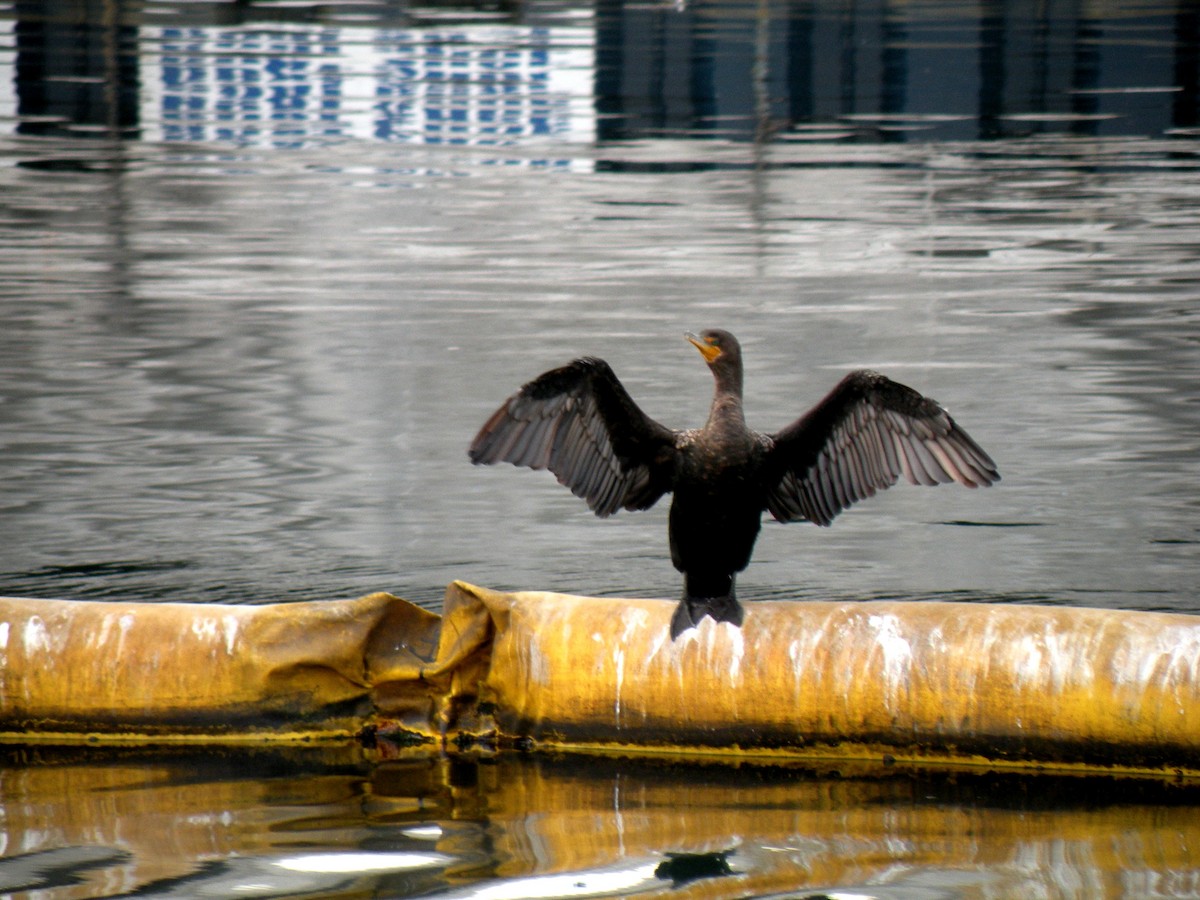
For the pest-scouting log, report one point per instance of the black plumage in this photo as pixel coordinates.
(579, 422)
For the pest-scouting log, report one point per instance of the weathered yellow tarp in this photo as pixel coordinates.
(986, 683)
(1000, 685)
(179, 670)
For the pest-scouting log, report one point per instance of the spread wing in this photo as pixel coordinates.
(860, 439)
(581, 424)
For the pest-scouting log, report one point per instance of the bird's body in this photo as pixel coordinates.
(717, 506)
(579, 422)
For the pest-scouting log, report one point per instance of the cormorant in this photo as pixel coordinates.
(579, 422)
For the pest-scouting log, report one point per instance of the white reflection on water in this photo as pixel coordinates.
(360, 863)
(629, 879)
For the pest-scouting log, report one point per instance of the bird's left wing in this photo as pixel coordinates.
(579, 422)
(860, 439)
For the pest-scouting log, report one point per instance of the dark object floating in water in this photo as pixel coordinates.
(579, 422)
(680, 868)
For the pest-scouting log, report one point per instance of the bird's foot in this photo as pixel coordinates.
(691, 610)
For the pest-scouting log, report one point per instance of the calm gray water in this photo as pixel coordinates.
(266, 268)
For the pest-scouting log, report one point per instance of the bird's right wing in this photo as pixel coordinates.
(860, 439)
(579, 422)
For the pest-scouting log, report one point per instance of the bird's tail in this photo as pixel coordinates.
(691, 610)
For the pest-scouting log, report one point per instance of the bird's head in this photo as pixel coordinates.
(717, 347)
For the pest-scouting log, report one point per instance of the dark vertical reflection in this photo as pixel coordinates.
(1085, 75)
(991, 70)
(76, 69)
(1185, 108)
(651, 75)
(609, 74)
(800, 62)
(894, 60)
(703, 52)
(847, 34)
(1041, 88)
(77, 76)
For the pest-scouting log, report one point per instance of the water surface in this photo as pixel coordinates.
(325, 823)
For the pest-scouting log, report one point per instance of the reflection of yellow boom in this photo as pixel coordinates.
(994, 685)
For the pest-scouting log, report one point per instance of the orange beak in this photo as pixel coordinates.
(709, 351)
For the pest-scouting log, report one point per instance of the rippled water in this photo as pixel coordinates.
(244, 347)
(326, 824)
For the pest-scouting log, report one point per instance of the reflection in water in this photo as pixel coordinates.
(333, 823)
(680, 868)
(64, 867)
(76, 69)
(895, 71)
(738, 69)
(486, 86)
(290, 86)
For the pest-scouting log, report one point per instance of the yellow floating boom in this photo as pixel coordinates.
(72, 669)
(929, 683)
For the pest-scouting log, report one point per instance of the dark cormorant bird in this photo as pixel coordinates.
(579, 422)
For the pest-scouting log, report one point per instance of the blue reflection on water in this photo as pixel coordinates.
(485, 86)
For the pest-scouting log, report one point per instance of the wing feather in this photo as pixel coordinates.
(864, 436)
(567, 448)
(889, 459)
(948, 459)
(523, 447)
(925, 465)
(544, 444)
(803, 501)
(579, 422)
(879, 454)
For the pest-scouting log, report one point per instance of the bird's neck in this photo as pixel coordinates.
(727, 402)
